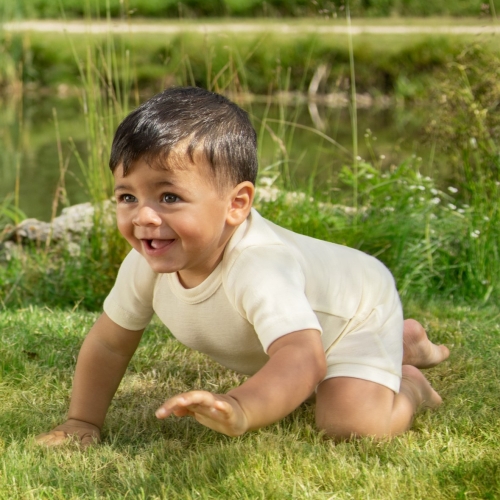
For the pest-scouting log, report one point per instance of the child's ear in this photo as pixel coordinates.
(240, 203)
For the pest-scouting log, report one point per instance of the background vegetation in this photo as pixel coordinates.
(259, 64)
(438, 239)
(251, 8)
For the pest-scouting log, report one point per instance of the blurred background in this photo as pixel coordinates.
(377, 121)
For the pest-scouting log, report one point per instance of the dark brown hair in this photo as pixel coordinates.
(207, 121)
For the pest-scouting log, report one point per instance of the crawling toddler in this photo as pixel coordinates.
(301, 316)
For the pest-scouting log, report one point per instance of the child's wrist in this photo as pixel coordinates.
(243, 420)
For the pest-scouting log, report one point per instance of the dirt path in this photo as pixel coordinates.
(173, 27)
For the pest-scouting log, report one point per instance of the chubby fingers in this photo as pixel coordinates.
(190, 403)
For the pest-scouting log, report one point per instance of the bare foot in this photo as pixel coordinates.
(419, 388)
(418, 350)
(84, 433)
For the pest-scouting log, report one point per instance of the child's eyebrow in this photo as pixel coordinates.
(126, 187)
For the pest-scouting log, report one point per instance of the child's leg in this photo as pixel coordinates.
(348, 407)
(418, 350)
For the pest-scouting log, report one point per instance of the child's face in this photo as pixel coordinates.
(176, 219)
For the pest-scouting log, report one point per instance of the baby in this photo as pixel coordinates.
(301, 316)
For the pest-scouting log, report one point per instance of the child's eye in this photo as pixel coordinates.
(170, 198)
(127, 198)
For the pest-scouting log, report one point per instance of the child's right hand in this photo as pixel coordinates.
(84, 433)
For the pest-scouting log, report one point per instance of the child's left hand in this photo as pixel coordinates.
(219, 412)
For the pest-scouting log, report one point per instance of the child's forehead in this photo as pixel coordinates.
(177, 164)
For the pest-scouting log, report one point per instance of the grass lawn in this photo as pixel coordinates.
(451, 453)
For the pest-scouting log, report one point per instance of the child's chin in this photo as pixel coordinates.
(160, 267)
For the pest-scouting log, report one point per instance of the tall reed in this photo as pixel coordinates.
(11, 82)
(106, 74)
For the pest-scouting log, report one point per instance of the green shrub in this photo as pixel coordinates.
(434, 243)
(466, 122)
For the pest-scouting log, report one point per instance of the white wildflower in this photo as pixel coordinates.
(422, 188)
(475, 233)
(266, 181)
(434, 191)
(266, 194)
(382, 157)
(74, 249)
(486, 218)
(452, 189)
(451, 206)
(436, 201)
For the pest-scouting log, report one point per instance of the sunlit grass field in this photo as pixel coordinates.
(450, 453)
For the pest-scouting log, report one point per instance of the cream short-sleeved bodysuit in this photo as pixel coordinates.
(272, 282)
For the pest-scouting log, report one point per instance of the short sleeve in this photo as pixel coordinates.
(266, 285)
(130, 302)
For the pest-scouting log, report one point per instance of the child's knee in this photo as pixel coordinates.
(347, 408)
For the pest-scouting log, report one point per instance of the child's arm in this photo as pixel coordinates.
(296, 366)
(103, 359)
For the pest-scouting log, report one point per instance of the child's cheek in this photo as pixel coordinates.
(125, 227)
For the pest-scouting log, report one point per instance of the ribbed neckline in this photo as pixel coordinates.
(199, 293)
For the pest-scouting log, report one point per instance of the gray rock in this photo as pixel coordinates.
(71, 226)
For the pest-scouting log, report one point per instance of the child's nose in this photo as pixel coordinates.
(147, 216)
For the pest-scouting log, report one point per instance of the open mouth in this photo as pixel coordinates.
(155, 245)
